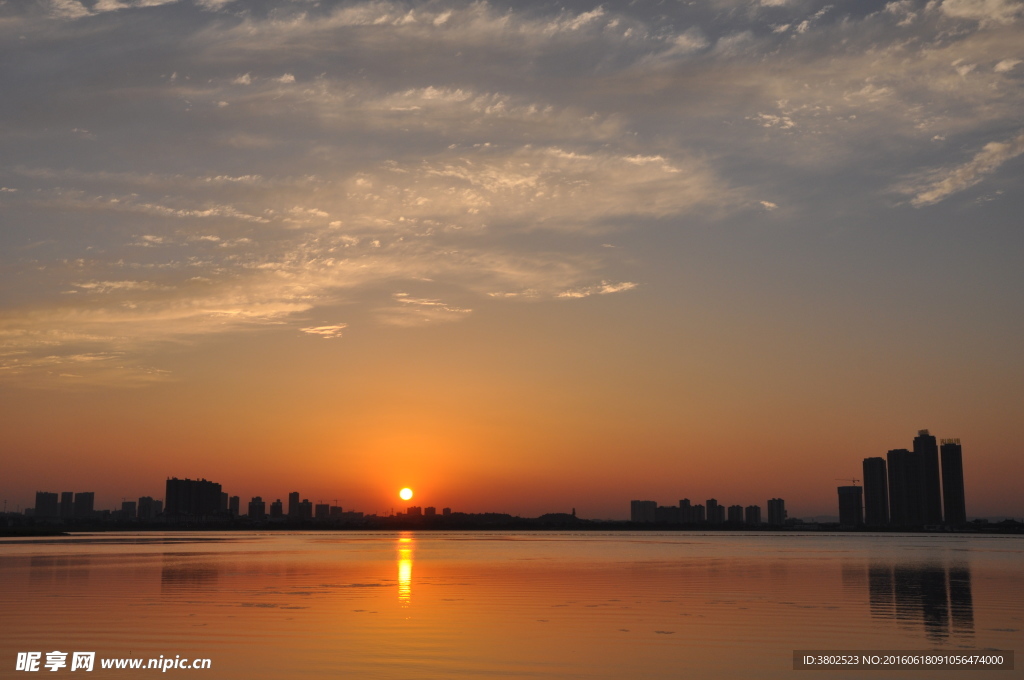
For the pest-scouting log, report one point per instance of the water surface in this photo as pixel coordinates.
(476, 604)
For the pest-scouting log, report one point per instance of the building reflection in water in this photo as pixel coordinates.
(179, 573)
(939, 596)
(405, 546)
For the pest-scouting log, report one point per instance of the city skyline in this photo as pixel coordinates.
(904, 490)
(517, 256)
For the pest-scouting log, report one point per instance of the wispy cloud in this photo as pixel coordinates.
(604, 288)
(328, 332)
(935, 185)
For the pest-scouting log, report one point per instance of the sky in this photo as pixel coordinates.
(520, 257)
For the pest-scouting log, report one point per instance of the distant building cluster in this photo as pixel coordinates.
(187, 501)
(80, 506)
(417, 511)
(711, 512)
(923, 487)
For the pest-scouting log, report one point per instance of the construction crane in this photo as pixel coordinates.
(842, 479)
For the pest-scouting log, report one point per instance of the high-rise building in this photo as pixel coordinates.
(293, 504)
(446, 512)
(322, 511)
(926, 446)
(430, 511)
(851, 510)
(776, 512)
(699, 515)
(305, 509)
(67, 504)
(685, 511)
(257, 508)
(192, 498)
(752, 515)
(736, 514)
(234, 506)
(277, 509)
(129, 510)
(414, 511)
(953, 482)
(158, 507)
(147, 509)
(84, 504)
(876, 492)
(222, 506)
(716, 513)
(642, 511)
(47, 505)
(906, 488)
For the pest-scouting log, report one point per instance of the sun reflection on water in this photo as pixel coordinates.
(405, 545)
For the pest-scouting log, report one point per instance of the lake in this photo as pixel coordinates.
(515, 605)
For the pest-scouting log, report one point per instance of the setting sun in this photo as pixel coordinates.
(405, 494)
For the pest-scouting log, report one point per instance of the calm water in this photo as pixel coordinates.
(538, 605)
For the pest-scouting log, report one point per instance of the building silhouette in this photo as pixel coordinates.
(927, 447)
(736, 514)
(234, 506)
(851, 511)
(752, 515)
(414, 511)
(257, 508)
(906, 488)
(147, 508)
(776, 512)
(277, 509)
(67, 504)
(305, 509)
(47, 505)
(84, 501)
(293, 504)
(322, 511)
(876, 492)
(643, 511)
(953, 482)
(430, 511)
(715, 512)
(446, 512)
(129, 510)
(667, 514)
(192, 498)
(685, 511)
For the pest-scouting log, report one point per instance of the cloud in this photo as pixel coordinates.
(604, 288)
(72, 9)
(326, 331)
(984, 11)
(412, 311)
(936, 185)
(68, 9)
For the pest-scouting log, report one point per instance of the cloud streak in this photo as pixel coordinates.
(939, 184)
